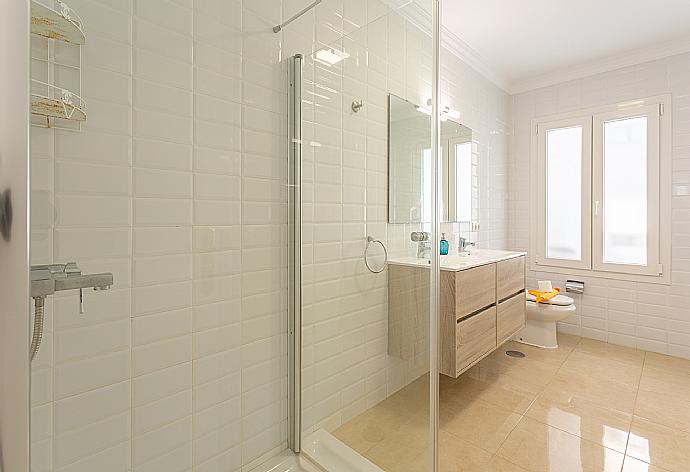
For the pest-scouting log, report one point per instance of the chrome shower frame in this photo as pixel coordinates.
(294, 240)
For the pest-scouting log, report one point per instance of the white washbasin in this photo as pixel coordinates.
(455, 262)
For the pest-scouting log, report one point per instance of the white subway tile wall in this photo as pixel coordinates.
(176, 184)
(642, 315)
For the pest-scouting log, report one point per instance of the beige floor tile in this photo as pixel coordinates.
(666, 409)
(566, 341)
(368, 429)
(456, 455)
(470, 388)
(554, 357)
(667, 363)
(659, 445)
(498, 464)
(601, 392)
(401, 450)
(541, 448)
(665, 381)
(529, 362)
(635, 465)
(608, 428)
(514, 374)
(479, 423)
(611, 351)
(594, 365)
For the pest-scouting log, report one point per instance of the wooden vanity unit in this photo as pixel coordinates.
(482, 305)
(481, 308)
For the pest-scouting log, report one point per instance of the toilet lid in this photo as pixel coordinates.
(560, 300)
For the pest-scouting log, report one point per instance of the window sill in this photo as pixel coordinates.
(664, 279)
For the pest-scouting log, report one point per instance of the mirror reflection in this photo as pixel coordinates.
(409, 165)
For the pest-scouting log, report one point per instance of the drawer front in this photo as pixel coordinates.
(510, 277)
(474, 289)
(475, 337)
(510, 317)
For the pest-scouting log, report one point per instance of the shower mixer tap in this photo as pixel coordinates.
(50, 278)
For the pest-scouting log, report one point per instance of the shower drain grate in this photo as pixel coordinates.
(515, 354)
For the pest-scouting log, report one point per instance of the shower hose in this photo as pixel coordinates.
(39, 312)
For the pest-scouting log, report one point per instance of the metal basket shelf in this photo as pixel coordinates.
(62, 24)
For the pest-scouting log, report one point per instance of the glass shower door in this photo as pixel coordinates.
(365, 319)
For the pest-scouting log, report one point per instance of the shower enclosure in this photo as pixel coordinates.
(247, 307)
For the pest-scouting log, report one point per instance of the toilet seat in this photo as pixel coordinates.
(558, 300)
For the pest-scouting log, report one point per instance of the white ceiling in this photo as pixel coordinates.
(522, 41)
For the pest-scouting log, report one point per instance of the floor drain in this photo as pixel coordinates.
(515, 354)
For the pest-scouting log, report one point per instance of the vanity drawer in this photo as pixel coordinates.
(510, 277)
(475, 337)
(510, 317)
(475, 289)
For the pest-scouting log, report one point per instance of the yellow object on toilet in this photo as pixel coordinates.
(544, 296)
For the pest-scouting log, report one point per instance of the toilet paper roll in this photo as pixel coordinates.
(545, 285)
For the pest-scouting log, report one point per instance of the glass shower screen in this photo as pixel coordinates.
(362, 325)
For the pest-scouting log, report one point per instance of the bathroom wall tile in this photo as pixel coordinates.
(160, 355)
(78, 178)
(113, 459)
(159, 154)
(79, 411)
(158, 298)
(158, 442)
(86, 211)
(92, 439)
(154, 96)
(94, 147)
(179, 459)
(152, 328)
(159, 413)
(159, 384)
(162, 212)
(82, 244)
(84, 375)
(157, 241)
(91, 341)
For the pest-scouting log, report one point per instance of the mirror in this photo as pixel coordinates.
(409, 166)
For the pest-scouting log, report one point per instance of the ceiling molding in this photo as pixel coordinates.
(418, 15)
(472, 58)
(611, 63)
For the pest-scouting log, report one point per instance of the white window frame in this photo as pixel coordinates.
(652, 112)
(450, 188)
(585, 236)
(658, 269)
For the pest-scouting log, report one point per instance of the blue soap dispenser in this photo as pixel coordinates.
(444, 245)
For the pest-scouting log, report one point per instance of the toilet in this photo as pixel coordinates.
(541, 319)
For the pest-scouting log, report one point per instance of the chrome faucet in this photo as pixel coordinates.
(463, 245)
(422, 238)
(50, 278)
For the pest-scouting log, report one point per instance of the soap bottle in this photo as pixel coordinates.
(444, 245)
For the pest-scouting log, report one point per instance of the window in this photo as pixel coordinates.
(598, 191)
(463, 180)
(426, 185)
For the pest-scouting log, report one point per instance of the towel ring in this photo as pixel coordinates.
(385, 253)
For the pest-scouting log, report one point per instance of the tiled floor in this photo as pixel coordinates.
(587, 406)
